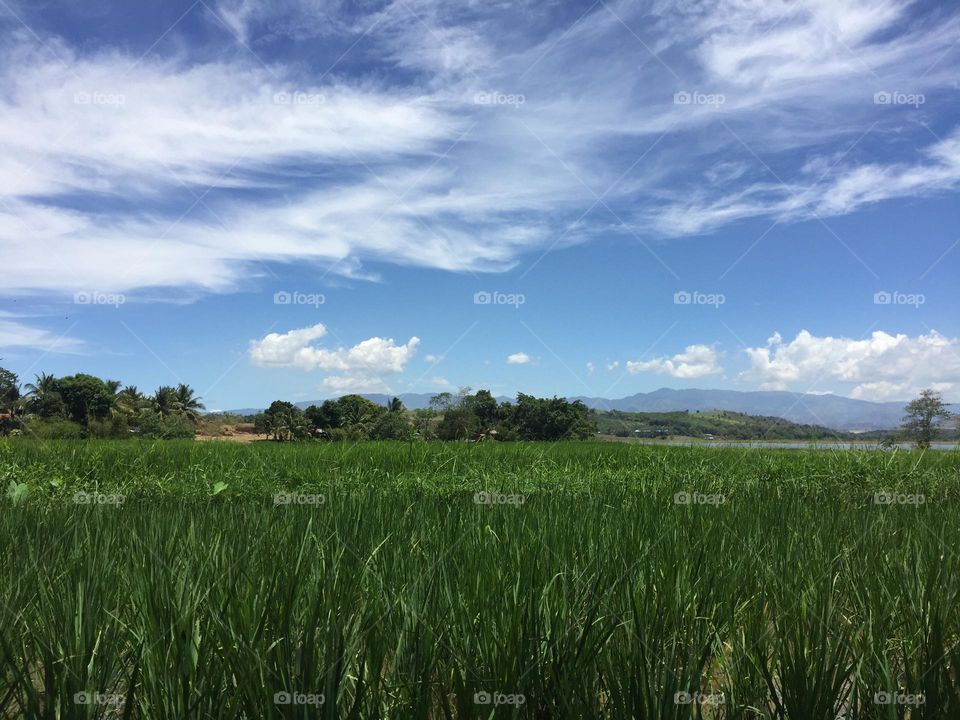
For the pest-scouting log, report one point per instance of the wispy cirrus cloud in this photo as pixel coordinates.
(457, 137)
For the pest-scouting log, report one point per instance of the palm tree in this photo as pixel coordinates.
(130, 400)
(164, 400)
(189, 403)
(41, 394)
(395, 405)
(113, 386)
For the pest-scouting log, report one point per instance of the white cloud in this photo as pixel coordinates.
(362, 366)
(520, 358)
(15, 334)
(613, 365)
(439, 381)
(591, 368)
(404, 167)
(694, 362)
(345, 384)
(881, 367)
(433, 359)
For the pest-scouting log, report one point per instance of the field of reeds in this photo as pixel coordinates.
(569, 580)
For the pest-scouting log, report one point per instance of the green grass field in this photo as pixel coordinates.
(593, 580)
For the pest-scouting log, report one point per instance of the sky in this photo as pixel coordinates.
(298, 199)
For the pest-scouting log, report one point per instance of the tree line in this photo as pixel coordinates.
(81, 405)
(464, 416)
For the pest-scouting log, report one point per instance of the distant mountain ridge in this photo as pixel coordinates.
(831, 411)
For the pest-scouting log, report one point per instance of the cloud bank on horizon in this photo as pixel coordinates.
(465, 137)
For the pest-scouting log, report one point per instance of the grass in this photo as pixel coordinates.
(605, 580)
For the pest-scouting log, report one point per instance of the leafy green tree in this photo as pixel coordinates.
(392, 426)
(285, 421)
(484, 406)
(458, 423)
(9, 391)
(924, 414)
(85, 397)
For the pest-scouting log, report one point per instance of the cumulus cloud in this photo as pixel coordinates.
(520, 358)
(881, 367)
(590, 368)
(694, 362)
(361, 367)
(613, 365)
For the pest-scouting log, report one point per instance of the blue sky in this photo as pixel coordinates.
(300, 198)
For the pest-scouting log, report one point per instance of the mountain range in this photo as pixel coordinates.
(829, 410)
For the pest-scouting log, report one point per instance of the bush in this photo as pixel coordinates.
(53, 429)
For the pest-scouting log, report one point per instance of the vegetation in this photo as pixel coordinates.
(81, 405)
(464, 416)
(720, 424)
(924, 416)
(586, 579)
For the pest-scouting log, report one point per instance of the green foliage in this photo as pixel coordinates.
(924, 414)
(721, 424)
(53, 429)
(151, 424)
(400, 596)
(85, 397)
